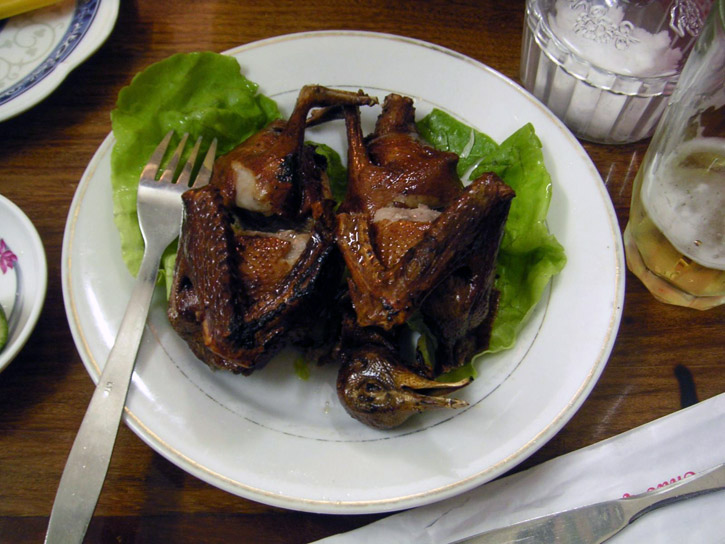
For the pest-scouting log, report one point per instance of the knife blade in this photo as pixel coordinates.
(598, 522)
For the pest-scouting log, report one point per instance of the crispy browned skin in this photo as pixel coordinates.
(276, 158)
(256, 252)
(414, 240)
(461, 309)
(373, 384)
(392, 171)
(392, 167)
(377, 390)
(235, 299)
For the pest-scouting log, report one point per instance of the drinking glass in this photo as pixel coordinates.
(675, 238)
(607, 67)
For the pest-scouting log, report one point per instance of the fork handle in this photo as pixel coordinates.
(87, 464)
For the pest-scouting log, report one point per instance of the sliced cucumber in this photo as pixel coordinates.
(3, 328)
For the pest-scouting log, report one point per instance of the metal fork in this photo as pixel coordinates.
(159, 208)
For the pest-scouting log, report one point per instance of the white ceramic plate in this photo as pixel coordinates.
(40, 48)
(22, 287)
(277, 439)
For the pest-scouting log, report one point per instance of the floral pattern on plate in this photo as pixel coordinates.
(8, 278)
(23, 277)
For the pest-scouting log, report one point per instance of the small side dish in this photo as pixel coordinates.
(23, 280)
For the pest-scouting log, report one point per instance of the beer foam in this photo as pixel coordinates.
(685, 198)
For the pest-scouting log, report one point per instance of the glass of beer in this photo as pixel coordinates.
(675, 238)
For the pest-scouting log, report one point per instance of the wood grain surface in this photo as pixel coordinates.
(45, 390)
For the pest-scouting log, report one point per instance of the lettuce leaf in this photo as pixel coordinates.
(336, 171)
(529, 256)
(204, 94)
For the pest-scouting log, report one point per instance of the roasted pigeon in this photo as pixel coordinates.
(416, 242)
(256, 253)
(373, 384)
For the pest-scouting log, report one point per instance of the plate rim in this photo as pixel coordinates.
(388, 504)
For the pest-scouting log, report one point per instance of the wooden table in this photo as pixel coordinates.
(45, 391)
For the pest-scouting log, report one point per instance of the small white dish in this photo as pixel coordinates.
(40, 48)
(29, 276)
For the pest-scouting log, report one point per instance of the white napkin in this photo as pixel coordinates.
(655, 454)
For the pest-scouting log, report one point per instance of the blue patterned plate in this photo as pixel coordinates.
(38, 49)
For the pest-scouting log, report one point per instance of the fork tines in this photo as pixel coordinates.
(152, 167)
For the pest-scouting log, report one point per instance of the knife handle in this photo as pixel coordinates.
(704, 482)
